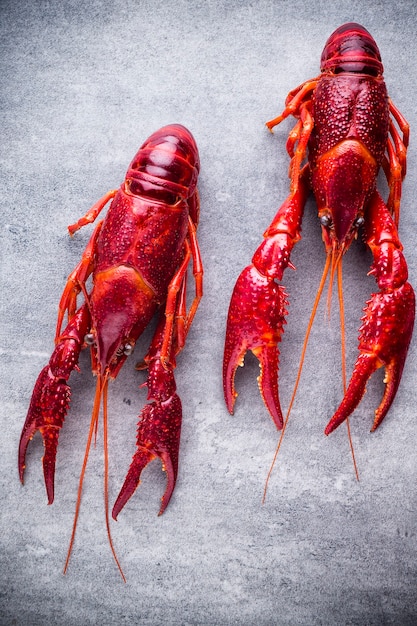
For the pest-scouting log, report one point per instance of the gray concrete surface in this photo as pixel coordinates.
(83, 84)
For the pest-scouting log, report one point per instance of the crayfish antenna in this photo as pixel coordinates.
(343, 355)
(101, 390)
(93, 425)
(106, 476)
(336, 254)
(300, 368)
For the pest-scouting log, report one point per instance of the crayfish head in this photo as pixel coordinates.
(351, 48)
(343, 181)
(339, 229)
(122, 305)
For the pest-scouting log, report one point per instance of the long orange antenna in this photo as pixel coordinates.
(101, 391)
(343, 350)
(106, 476)
(336, 254)
(93, 428)
(300, 367)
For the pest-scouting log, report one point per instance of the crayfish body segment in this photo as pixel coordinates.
(138, 258)
(347, 129)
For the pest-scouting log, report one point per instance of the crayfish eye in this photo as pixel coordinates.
(326, 220)
(128, 349)
(124, 349)
(89, 339)
(360, 221)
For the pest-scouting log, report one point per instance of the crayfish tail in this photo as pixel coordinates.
(158, 435)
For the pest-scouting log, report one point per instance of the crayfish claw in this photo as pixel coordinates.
(393, 372)
(258, 306)
(51, 397)
(255, 322)
(140, 459)
(383, 342)
(366, 365)
(268, 381)
(46, 414)
(50, 435)
(158, 436)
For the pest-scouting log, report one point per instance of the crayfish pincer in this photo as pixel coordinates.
(347, 129)
(138, 259)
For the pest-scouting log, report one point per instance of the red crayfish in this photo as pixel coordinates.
(138, 258)
(347, 129)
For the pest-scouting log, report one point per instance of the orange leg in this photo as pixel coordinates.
(293, 138)
(197, 273)
(393, 172)
(294, 102)
(76, 282)
(77, 278)
(304, 132)
(402, 123)
(92, 214)
(395, 165)
(175, 307)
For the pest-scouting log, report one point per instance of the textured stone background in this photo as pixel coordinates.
(83, 84)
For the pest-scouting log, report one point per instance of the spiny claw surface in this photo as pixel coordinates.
(385, 336)
(255, 322)
(51, 397)
(46, 414)
(158, 436)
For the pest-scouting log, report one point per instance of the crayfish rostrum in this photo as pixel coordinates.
(347, 129)
(137, 258)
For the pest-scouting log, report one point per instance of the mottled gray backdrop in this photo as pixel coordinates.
(82, 85)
